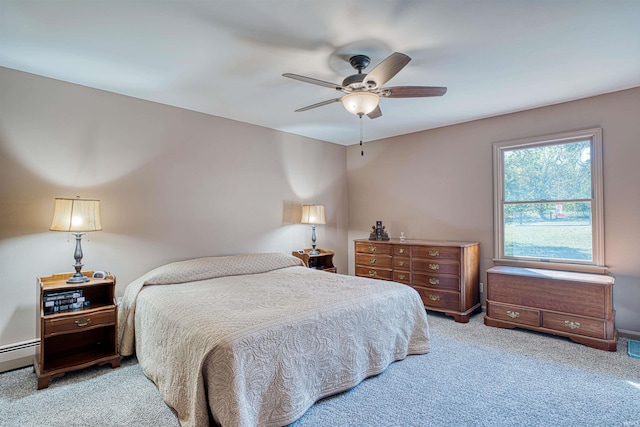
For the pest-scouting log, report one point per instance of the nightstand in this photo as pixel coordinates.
(322, 261)
(78, 327)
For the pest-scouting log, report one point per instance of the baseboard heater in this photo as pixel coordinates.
(17, 355)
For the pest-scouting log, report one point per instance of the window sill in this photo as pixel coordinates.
(578, 268)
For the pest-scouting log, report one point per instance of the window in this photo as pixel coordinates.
(548, 201)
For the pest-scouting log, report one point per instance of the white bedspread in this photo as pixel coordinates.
(257, 339)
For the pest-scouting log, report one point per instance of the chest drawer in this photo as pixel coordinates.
(402, 277)
(401, 263)
(401, 250)
(374, 273)
(373, 248)
(436, 281)
(436, 252)
(514, 314)
(438, 299)
(435, 266)
(574, 324)
(370, 260)
(66, 324)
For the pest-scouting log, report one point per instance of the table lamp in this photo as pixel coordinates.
(314, 215)
(76, 216)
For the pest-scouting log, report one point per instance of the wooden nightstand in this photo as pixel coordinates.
(79, 338)
(322, 261)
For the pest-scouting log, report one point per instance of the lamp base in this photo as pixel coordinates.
(78, 278)
(314, 251)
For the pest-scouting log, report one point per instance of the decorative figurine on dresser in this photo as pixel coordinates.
(446, 274)
(378, 232)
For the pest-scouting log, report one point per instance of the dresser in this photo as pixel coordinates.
(445, 273)
(578, 306)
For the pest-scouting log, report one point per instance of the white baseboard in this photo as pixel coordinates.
(17, 355)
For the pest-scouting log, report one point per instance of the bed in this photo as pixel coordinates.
(257, 339)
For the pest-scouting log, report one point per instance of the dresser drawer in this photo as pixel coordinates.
(374, 273)
(435, 252)
(574, 324)
(65, 324)
(402, 277)
(513, 314)
(370, 260)
(436, 281)
(373, 248)
(435, 266)
(401, 263)
(439, 299)
(401, 250)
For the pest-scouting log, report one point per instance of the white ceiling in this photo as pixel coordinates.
(227, 57)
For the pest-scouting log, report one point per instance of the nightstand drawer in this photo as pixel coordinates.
(369, 260)
(575, 325)
(374, 273)
(514, 314)
(78, 322)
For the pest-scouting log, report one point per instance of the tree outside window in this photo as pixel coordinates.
(548, 199)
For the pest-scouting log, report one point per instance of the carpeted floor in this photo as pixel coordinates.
(473, 376)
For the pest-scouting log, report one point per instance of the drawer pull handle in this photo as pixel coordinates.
(434, 281)
(372, 260)
(372, 248)
(401, 263)
(401, 276)
(434, 266)
(434, 253)
(372, 273)
(571, 325)
(433, 297)
(513, 314)
(83, 321)
(401, 250)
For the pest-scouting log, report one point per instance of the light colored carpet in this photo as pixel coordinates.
(473, 376)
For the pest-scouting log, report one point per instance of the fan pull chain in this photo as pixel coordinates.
(361, 149)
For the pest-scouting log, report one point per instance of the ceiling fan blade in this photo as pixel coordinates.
(377, 112)
(312, 81)
(412, 91)
(319, 104)
(389, 67)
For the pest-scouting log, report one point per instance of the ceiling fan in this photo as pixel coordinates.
(363, 91)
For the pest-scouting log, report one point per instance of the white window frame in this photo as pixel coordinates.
(596, 265)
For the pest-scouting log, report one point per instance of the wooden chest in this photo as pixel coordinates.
(445, 274)
(574, 305)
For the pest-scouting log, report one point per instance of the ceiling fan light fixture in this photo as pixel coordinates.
(360, 103)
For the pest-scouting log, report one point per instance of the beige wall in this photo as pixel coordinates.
(437, 184)
(174, 184)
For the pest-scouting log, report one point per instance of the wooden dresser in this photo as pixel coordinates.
(445, 273)
(578, 306)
